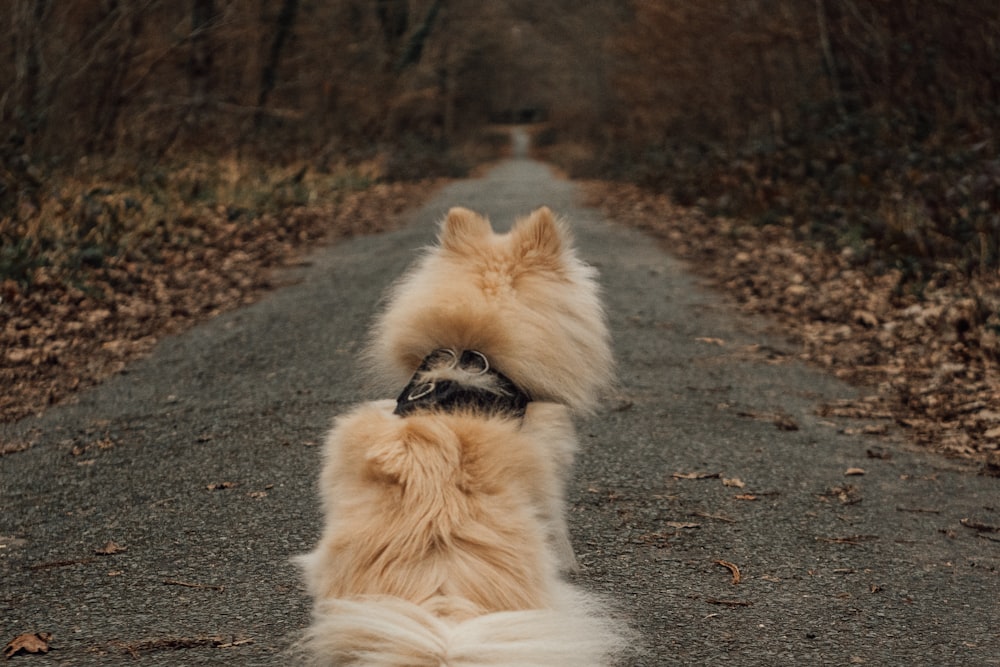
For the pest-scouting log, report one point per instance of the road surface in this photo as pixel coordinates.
(706, 465)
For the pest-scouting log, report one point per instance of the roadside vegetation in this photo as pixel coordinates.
(836, 164)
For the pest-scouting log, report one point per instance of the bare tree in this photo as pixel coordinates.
(200, 51)
(268, 74)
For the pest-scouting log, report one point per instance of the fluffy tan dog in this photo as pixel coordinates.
(444, 532)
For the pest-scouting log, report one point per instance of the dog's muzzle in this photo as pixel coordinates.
(499, 395)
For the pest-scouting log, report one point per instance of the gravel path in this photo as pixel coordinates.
(705, 466)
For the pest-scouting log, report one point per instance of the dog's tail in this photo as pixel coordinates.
(389, 632)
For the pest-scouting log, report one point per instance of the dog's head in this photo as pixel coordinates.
(523, 299)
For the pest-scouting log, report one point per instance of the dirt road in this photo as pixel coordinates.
(152, 523)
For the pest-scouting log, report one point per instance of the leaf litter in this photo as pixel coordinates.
(155, 269)
(928, 354)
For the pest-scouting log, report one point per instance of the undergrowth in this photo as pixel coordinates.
(103, 209)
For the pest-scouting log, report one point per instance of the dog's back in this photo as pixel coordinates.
(444, 532)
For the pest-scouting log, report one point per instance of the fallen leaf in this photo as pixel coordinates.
(851, 472)
(785, 422)
(733, 568)
(110, 549)
(733, 482)
(729, 603)
(29, 642)
(681, 525)
(745, 496)
(853, 540)
(236, 642)
(218, 486)
(848, 494)
(781, 420)
(977, 525)
(711, 341)
(696, 475)
(918, 510)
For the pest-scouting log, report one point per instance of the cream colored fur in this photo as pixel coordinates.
(444, 531)
(522, 298)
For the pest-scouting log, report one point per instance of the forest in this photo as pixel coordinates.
(144, 133)
(869, 122)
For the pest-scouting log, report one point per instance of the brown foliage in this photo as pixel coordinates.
(105, 269)
(291, 79)
(859, 124)
(931, 361)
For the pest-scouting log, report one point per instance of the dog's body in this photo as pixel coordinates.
(444, 531)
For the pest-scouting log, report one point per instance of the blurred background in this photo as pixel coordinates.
(865, 117)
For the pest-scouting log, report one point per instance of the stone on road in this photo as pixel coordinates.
(155, 518)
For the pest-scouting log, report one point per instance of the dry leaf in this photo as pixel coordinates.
(729, 603)
(110, 549)
(682, 525)
(850, 539)
(745, 496)
(696, 475)
(29, 642)
(711, 341)
(977, 525)
(87, 329)
(733, 482)
(733, 568)
(934, 360)
(848, 494)
(851, 472)
(785, 422)
(218, 486)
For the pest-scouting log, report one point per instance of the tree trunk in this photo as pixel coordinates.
(124, 25)
(828, 60)
(415, 45)
(27, 83)
(269, 73)
(200, 55)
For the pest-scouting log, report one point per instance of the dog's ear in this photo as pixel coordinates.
(539, 234)
(419, 453)
(462, 228)
(388, 461)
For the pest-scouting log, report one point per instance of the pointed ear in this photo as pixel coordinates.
(388, 460)
(540, 234)
(419, 452)
(461, 228)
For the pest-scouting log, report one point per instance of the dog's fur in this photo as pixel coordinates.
(444, 531)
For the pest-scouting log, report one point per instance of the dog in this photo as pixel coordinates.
(444, 536)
